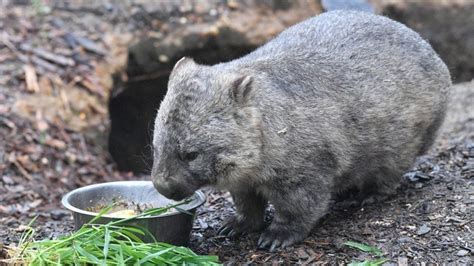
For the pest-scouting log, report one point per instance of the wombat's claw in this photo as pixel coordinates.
(275, 239)
(234, 227)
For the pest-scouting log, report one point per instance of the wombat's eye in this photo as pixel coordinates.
(189, 156)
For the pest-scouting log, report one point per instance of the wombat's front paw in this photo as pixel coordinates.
(276, 236)
(237, 225)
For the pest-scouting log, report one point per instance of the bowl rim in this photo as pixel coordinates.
(199, 195)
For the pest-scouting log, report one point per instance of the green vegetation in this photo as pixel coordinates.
(113, 243)
(369, 249)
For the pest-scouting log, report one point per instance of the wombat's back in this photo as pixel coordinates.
(349, 40)
(370, 86)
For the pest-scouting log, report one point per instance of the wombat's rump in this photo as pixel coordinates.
(345, 100)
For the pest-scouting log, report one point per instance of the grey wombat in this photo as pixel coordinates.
(345, 100)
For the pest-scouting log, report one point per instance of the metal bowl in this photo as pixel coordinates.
(173, 227)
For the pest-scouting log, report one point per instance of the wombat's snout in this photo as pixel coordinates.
(170, 191)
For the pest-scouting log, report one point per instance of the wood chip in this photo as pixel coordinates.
(23, 171)
(45, 85)
(31, 79)
(86, 43)
(50, 56)
(58, 59)
(45, 64)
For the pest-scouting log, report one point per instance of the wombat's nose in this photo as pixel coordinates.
(162, 188)
(170, 192)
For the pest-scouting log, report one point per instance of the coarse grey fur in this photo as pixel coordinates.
(345, 100)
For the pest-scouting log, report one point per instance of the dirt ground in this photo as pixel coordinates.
(44, 155)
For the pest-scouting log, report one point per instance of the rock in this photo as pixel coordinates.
(462, 253)
(447, 25)
(362, 5)
(404, 239)
(402, 261)
(235, 33)
(416, 176)
(423, 230)
(58, 214)
(302, 254)
(133, 103)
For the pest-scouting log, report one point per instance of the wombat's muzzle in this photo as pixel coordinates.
(171, 192)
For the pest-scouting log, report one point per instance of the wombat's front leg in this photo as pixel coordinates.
(296, 212)
(249, 214)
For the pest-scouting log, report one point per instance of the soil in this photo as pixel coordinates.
(45, 154)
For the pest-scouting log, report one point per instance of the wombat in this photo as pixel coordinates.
(343, 101)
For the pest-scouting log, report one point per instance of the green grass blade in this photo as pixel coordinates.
(154, 255)
(364, 247)
(131, 236)
(107, 238)
(135, 230)
(90, 258)
(368, 262)
(118, 254)
(103, 212)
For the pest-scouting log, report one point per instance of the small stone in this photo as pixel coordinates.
(22, 228)
(58, 214)
(462, 253)
(423, 176)
(183, 20)
(302, 254)
(163, 58)
(7, 180)
(418, 185)
(402, 261)
(232, 4)
(424, 229)
(402, 240)
(411, 176)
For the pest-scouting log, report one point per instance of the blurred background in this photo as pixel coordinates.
(81, 81)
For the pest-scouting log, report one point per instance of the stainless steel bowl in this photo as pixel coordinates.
(173, 228)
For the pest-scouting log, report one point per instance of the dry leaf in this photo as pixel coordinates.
(22, 228)
(42, 125)
(56, 143)
(25, 161)
(35, 203)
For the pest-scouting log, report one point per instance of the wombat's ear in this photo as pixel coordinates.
(182, 62)
(241, 88)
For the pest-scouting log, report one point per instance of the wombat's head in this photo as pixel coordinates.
(206, 131)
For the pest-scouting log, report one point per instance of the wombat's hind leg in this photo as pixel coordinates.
(249, 215)
(382, 188)
(296, 212)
